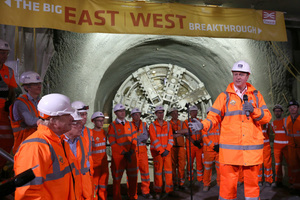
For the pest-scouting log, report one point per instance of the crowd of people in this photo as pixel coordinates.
(69, 160)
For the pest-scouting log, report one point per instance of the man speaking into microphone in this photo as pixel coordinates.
(241, 110)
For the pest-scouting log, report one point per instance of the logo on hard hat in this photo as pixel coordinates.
(37, 78)
(240, 65)
(6, 45)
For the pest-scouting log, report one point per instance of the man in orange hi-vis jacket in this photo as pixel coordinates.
(123, 140)
(292, 127)
(79, 156)
(267, 159)
(44, 153)
(178, 151)
(141, 151)
(196, 145)
(280, 144)
(23, 112)
(241, 110)
(86, 133)
(211, 154)
(7, 97)
(99, 157)
(161, 144)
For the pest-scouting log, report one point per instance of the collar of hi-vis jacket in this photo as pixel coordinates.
(49, 133)
(250, 88)
(118, 121)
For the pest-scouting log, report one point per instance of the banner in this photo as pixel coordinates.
(104, 16)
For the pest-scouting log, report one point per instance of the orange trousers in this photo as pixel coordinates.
(196, 153)
(294, 162)
(268, 173)
(6, 134)
(100, 180)
(210, 157)
(144, 169)
(241, 175)
(162, 164)
(118, 165)
(279, 153)
(229, 177)
(178, 165)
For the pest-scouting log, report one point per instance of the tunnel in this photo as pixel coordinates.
(92, 67)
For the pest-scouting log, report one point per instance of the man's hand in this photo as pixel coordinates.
(216, 148)
(6, 105)
(144, 141)
(128, 154)
(165, 153)
(247, 106)
(195, 125)
(197, 144)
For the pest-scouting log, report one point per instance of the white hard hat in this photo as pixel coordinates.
(4, 45)
(241, 66)
(54, 105)
(119, 106)
(80, 106)
(30, 77)
(193, 107)
(157, 108)
(76, 116)
(173, 109)
(135, 110)
(97, 114)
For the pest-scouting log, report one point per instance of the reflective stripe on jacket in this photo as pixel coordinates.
(211, 138)
(293, 130)
(81, 172)
(280, 139)
(179, 141)
(266, 132)
(122, 138)
(44, 153)
(99, 147)
(241, 139)
(196, 135)
(161, 136)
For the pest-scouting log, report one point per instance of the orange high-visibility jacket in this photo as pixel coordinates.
(293, 131)
(7, 80)
(161, 136)
(211, 138)
(196, 135)
(99, 148)
(280, 139)
(122, 138)
(142, 132)
(44, 153)
(266, 133)
(179, 141)
(241, 139)
(87, 134)
(20, 129)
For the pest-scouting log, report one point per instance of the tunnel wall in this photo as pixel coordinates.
(91, 67)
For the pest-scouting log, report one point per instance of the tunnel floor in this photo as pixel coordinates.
(266, 193)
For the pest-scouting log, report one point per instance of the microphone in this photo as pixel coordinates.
(245, 98)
